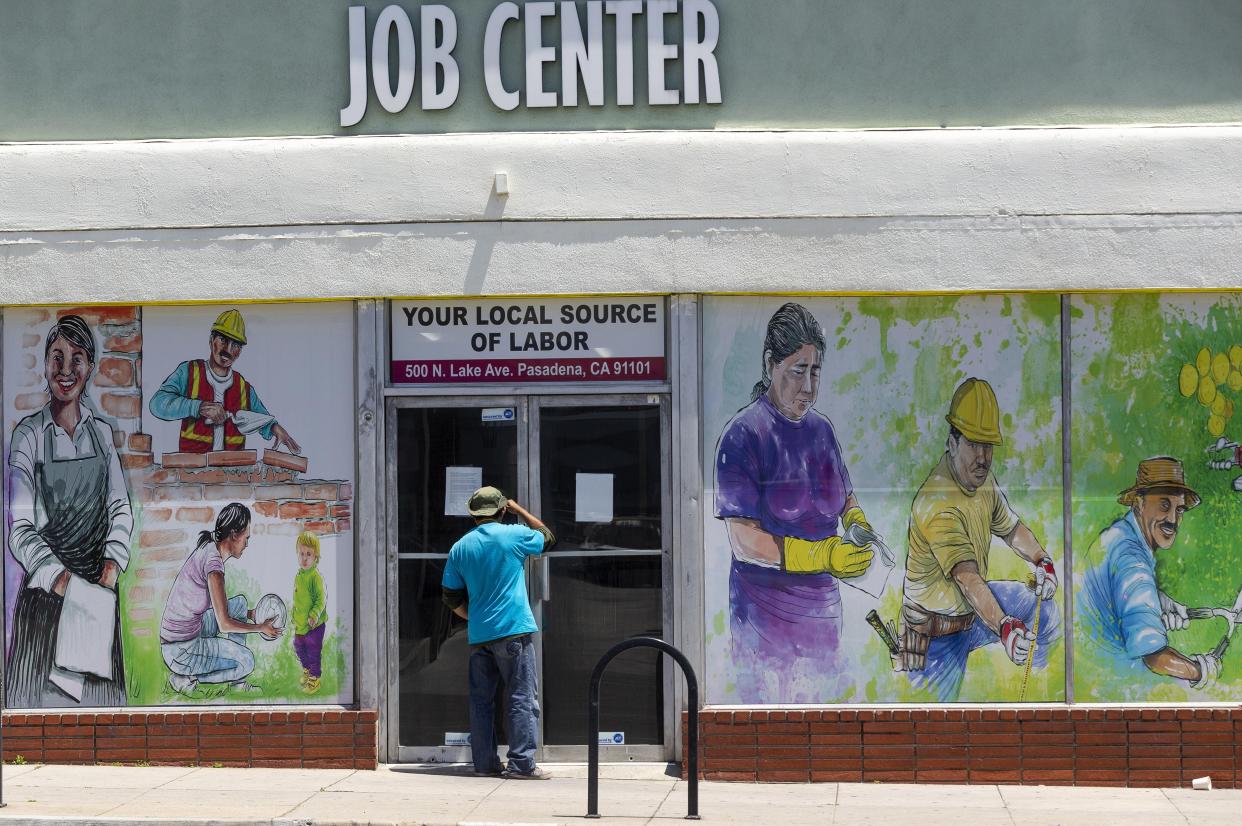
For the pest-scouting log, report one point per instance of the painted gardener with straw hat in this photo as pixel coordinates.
(1123, 608)
(949, 606)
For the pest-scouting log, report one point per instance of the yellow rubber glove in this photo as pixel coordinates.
(831, 555)
(852, 516)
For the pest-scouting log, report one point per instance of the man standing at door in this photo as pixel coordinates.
(484, 583)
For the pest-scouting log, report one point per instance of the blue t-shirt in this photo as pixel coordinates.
(1120, 603)
(489, 563)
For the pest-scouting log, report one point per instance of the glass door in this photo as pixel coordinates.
(440, 451)
(600, 482)
(593, 469)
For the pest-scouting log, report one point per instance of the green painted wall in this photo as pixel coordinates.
(107, 69)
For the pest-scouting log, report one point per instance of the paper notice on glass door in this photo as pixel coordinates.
(593, 501)
(459, 483)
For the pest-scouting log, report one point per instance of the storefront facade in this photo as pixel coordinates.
(599, 306)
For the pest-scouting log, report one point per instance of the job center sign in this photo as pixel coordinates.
(547, 38)
(518, 341)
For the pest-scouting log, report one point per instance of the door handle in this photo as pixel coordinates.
(545, 577)
(541, 589)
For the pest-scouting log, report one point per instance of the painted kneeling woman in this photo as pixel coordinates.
(203, 633)
(70, 533)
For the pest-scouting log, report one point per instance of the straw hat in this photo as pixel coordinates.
(1159, 473)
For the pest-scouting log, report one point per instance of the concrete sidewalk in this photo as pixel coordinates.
(629, 794)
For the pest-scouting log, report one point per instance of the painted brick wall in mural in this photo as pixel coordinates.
(179, 523)
(884, 513)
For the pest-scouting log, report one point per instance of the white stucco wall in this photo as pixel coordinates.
(926, 210)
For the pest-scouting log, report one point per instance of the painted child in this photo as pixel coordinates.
(309, 611)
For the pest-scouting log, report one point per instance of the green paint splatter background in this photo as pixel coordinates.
(1126, 355)
(890, 371)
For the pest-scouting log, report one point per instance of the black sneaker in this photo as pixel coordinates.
(496, 772)
(535, 774)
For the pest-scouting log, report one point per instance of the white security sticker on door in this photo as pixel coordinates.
(612, 738)
(498, 414)
(456, 738)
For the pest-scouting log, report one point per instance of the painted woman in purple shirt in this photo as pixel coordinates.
(785, 497)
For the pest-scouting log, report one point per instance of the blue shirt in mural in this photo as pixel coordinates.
(1120, 603)
(489, 563)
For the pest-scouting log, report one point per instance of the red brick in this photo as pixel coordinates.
(281, 459)
(1048, 777)
(904, 739)
(122, 406)
(232, 458)
(889, 776)
(836, 776)
(71, 743)
(266, 752)
(941, 776)
(767, 740)
(852, 764)
(995, 775)
(783, 728)
(68, 755)
(745, 777)
(184, 460)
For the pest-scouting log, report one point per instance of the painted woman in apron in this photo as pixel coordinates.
(70, 533)
(785, 496)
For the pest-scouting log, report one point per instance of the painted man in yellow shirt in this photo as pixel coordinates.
(949, 608)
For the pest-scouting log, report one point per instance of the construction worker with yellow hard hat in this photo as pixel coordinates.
(230, 324)
(949, 607)
(214, 403)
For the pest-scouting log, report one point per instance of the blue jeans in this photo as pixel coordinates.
(946, 656)
(511, 662)
(209, 657)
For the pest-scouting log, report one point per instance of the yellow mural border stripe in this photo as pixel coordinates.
(215, 302)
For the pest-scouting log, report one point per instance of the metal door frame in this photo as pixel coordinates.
(626, 753)
(526, 406)
(426, 753)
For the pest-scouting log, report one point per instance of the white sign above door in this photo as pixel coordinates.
(516, 341)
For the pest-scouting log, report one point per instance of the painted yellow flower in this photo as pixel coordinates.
(1216, 425)
(1188, 380)
(1203, 361)
(1220, 367)
(1207, 390)
(1235, 356)
(1235, 380)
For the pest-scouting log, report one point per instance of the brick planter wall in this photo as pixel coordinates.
(337, 739)
(1059, 745)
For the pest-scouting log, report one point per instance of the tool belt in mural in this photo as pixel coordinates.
(197, 434)
(918, 626)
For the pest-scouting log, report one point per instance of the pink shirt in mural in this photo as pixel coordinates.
(189, 599)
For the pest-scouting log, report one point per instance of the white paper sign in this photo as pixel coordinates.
(593, 500)
(612, 738)
(456, 738)
(459, 483)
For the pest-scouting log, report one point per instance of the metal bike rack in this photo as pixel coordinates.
(692, 685)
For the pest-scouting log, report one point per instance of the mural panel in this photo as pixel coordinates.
(884, 513)
(1157, 472)
(178, 523)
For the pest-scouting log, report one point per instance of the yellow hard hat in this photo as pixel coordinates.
(975, 413)
(231, 324)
